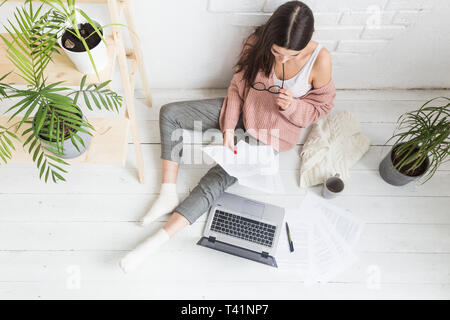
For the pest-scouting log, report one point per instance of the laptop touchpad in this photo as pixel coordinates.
(253, 208)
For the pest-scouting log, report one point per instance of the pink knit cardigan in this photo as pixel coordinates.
(262, 117)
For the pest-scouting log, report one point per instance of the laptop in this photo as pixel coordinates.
(244, 228)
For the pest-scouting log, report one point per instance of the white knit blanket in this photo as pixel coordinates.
(334, 145)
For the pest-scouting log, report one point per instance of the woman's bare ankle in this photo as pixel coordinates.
(176, 223)
(169, 171)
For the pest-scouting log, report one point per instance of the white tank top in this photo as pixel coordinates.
(299, 84)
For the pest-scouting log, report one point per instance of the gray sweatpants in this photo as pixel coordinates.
(181, 115)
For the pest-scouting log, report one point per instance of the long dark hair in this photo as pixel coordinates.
(291, 26)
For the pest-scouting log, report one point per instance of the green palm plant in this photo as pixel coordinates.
(63, 16)
(51, 110)
(422, 136)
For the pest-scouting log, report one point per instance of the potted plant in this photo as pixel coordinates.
(79, 36)
(57, 128)
(421, 144)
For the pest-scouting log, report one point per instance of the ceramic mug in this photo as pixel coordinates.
(332, 186)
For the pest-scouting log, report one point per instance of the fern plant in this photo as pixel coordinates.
(423, 135)
(51, 110)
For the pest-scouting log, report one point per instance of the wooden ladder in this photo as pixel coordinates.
(109, 143)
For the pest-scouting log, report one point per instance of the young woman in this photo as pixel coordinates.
(282, 83)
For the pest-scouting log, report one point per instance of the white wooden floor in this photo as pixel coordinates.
(65, 240)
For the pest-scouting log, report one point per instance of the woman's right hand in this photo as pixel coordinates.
(228, 139)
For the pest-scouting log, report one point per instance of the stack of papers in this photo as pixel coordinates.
(324, 239)
(254, 166)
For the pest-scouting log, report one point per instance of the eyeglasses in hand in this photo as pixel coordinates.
(259, 86)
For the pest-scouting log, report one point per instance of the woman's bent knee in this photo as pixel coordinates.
(205, 194)
(169, 111)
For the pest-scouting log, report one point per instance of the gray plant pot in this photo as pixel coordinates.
(394, 177)
(69, 149)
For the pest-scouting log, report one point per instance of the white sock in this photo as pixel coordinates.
(166, 202)
(150, 245)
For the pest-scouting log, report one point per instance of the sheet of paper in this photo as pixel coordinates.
(265, 183)
(348, 226)
(255, 167)
(324, 259)
(231, 163)
(339, 245)
(325, 237)
(301, 233)
(330, 255)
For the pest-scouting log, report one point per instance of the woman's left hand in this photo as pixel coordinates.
(284, 98)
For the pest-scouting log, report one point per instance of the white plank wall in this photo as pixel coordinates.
(50, 233)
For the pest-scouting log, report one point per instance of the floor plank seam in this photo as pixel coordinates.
(181, 194)
(177, 250)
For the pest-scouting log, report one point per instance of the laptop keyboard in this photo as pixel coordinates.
(243, 228)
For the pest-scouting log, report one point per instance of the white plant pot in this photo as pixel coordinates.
(83, 62)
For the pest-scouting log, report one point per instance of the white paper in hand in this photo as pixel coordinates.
(255, 167)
